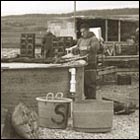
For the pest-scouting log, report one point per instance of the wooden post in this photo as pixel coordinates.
(119, 31)
(75, 20)
(106, 30)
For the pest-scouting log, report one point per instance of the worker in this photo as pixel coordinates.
(89, 44)
(137, 35)
(47, 44)
(131, 40)
(137, 40)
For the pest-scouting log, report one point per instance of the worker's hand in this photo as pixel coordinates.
(69, 50)
(75, 51)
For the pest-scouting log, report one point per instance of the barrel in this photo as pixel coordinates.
(92, 116)
(53, 112)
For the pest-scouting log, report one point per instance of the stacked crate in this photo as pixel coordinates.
(27, 47)
(123, 79)
(61, 43)
(66, 41)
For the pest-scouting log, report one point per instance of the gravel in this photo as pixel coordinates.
(124, 127)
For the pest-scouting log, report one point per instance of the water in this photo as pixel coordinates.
(13, 52)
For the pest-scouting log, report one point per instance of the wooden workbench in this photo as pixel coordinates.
(24, 82)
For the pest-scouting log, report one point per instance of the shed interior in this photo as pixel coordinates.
(112, 29)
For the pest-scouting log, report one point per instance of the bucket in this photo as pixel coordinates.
(92, 116)
(53, 110)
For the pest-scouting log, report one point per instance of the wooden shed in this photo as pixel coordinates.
(114, 28)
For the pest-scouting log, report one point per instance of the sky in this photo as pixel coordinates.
(47, 7)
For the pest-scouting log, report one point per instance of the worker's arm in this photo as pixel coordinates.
(95, 45)
(92, 52)
(71, 48)
(75, 46)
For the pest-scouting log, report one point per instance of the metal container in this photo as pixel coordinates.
(53, 111)
(92, 116)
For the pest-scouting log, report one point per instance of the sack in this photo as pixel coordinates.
(8, 130)
(25, 122)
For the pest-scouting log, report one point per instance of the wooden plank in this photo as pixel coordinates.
(120, 58)
(107, 70)
(127, 70)
(123, 56)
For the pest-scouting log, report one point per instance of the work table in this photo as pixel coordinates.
(23, 82)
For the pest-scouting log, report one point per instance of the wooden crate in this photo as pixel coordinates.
(27, 45)
(123, 79)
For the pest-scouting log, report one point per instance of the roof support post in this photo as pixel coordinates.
(119, 31)
(75, 20)
(106, 30)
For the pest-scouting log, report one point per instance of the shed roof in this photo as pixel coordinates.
(117, 17)
(131, 18)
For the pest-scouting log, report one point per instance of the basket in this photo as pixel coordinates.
(53, 110)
